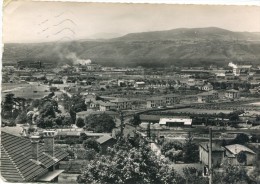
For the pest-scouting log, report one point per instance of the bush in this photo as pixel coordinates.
(92, 144)
(80, 122)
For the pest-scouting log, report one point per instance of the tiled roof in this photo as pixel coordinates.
(106, 104)
(16, 163)
(236, 148)
(104, 139)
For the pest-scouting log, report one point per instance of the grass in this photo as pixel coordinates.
(26, 91)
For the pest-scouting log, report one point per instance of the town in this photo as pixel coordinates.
(130, 92)
(86, 123)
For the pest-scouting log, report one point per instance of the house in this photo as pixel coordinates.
(233, 150)
(50, 76)
(191, 82)
(94, 105)
(218, 154)
(122, 103)
(121, 83)
(176, 122)
(105, 142)
(106, 106)
(207, 97)
(138, 103)
(232, 94)
(155, 102)
(207, 87)
(139, 85)
(171, 99)
(27, 160)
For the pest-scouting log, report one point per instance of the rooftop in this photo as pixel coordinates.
(186, 121)
(16, 162)
(232, 91)
(106, 104)
(117, 100)
(236, 148)
(104, 139)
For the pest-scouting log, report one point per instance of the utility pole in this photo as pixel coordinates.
(121, 124)
(149, 130)
(210, 156)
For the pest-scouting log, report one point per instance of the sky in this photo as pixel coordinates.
(26, 21)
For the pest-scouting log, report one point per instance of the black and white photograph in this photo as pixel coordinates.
(130, 93)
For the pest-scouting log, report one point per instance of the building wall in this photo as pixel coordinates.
(232, 95)
(155, 103)
(107, 144)
(217, 157)
(124, 105)
(250, 160)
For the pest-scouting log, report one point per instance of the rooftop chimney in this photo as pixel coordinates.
(48, 137)
(35, 144)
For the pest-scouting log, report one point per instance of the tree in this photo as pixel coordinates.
(241, 139)
(7, 105)
(127, 165)
(80, 122)
(100, 123)
(83, 137)
(67, 121)
(231, 175)
(192, 176)
(190, 150)
(223, 143)
(92, 144)
(78, 103)
(173, 150)
(136, 120)
(21, 118)
(241, 157)
(174, 155)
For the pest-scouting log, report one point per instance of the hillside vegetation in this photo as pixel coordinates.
(186, 47)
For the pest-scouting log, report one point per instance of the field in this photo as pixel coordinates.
(28, 91)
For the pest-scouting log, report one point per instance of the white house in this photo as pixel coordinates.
(207, 87)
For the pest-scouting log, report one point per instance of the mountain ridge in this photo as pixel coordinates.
(182, 46)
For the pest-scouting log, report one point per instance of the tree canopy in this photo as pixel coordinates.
(127, 164)
(135, 120)
(92, 144)
(100, 123)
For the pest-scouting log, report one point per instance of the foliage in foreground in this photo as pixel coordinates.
(129, 163)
